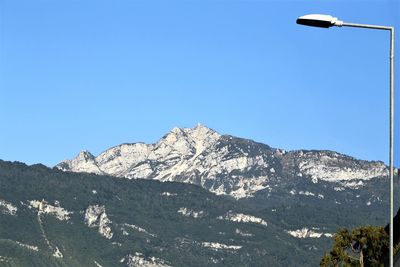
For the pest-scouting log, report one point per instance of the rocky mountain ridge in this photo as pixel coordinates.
(224, 164)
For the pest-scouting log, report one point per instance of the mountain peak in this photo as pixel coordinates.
(201, 128)
(176, 130)
(198, 128)
(197, 135)
(85, 155)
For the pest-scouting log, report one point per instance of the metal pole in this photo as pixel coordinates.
(391, 123)
(367, 26)
(391, 140)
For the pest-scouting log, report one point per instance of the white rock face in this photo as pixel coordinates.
(7, 208)
(337, 188)
(131, 160)
(325, 167)
(243, 218)
(55, 210)
(188, 155)
(224, 165)
(307, 233)
(30, 247)
(191, 213)
(306, 193)
(44, 208)
(138, 260)
(96, 217)
(242, 233)
(57, 253)
(354, 184)
(136, 228)
(5, 259)
(219, 246)
(168, 194)
(244, 187)
(84, 162)
(119, 159)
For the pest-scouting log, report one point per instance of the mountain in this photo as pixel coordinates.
(225, 164)
(194, 198)
(309, 193)
(53, 218)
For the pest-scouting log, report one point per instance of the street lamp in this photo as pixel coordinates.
(327, 21)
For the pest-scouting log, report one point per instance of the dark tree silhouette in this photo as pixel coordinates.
(364, 246)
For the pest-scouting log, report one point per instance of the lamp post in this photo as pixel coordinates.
(327, 21)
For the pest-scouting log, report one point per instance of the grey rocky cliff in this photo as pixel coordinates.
(223, 164)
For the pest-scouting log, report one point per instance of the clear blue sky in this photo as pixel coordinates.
(87, 74)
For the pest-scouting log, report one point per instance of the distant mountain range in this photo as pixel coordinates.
(225, 164)
(194, 198)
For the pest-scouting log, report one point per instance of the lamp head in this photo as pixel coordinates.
(318, 20)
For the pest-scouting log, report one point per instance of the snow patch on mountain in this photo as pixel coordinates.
(96, 217)
(243, 218)
(7, 208)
